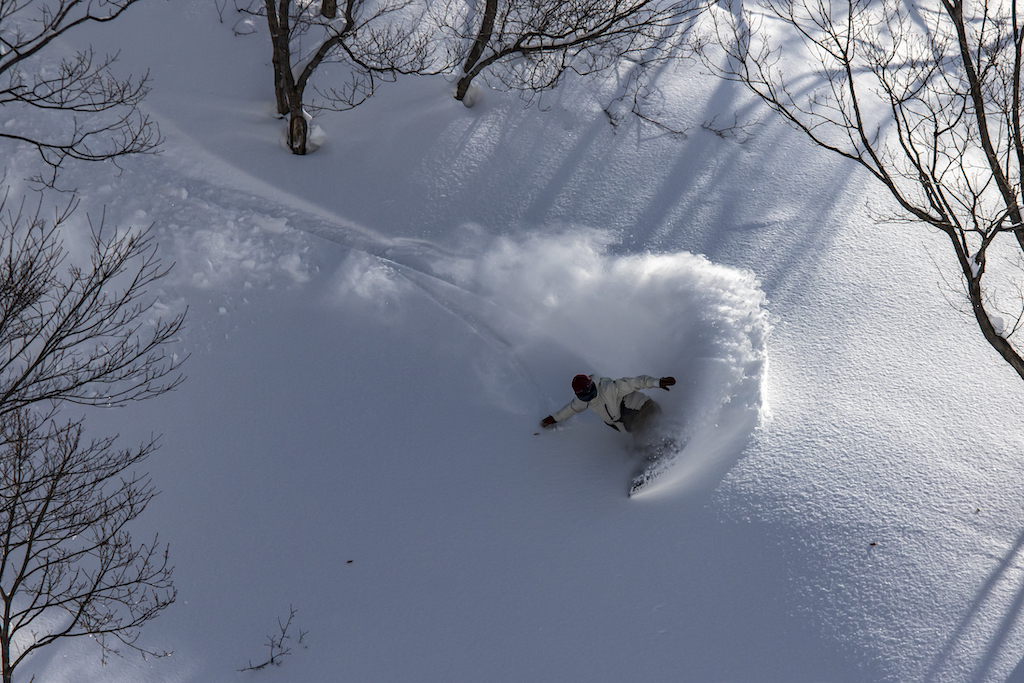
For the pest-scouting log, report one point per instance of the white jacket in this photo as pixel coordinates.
(612, 394)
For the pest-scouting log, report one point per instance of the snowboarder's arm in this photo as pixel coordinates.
(567, 411)
(648, 382)
(630, 384)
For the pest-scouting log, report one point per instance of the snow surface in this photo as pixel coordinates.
(376, 330)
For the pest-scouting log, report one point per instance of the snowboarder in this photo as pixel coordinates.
(616, 401)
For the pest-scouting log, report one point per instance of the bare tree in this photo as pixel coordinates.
(371, 42)
(82, 335)
(530, 44)
(276, 644)
(68, 567)
(98, 113)
(927, 99)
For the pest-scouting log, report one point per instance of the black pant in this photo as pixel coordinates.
(636, 421)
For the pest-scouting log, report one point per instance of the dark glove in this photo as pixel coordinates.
(547, 421)
(666, 382)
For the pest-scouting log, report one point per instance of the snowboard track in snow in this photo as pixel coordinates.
(549, 304)
(552, 304)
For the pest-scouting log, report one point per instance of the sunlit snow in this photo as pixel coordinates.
(376, 330)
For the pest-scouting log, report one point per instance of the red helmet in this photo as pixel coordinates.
(581, 383)
(584, 387)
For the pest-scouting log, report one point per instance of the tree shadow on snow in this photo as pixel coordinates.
(1004, 579)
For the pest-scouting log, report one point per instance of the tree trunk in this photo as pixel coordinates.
(297, 130)
(463, 87)
(329, 9)
(280, 57)
(5, 653)
(280, 88)
(973, 269)
(1003, 347)
(483, 37)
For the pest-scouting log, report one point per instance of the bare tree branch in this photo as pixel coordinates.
(85, 337)
(529, 45)
(97, 111)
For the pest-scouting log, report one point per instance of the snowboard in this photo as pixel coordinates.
(655, 459)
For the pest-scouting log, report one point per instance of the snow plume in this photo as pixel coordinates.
(561, 304)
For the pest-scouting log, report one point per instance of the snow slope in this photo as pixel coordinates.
(376, 330)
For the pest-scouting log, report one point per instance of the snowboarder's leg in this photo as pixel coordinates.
(651, 444)
(642, 423)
